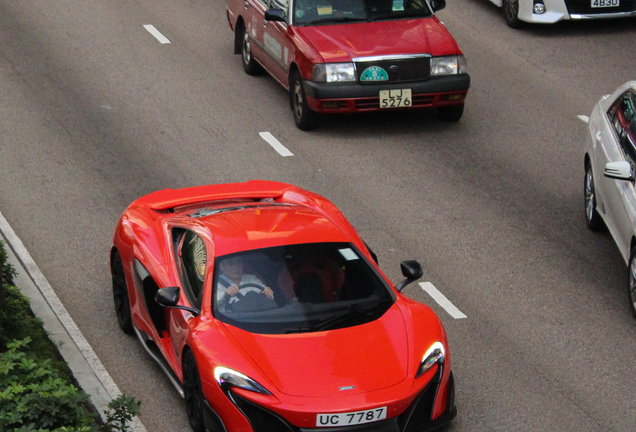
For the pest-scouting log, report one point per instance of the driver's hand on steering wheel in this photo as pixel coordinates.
(232, 291)
(267, 292)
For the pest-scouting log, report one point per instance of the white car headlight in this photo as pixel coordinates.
(334, 72)
(448, 65)
(434, 355)
(226, 376)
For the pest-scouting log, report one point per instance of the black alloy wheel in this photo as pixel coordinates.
(631, 284)
(305, 118)
(511, 13)
(193, 392)
(120, 294)
(592, 217)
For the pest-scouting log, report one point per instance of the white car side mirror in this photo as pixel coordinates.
(621, 170)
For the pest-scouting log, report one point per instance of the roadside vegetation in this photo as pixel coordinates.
(38, 392)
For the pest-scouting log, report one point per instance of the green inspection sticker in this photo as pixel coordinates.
(374, 73)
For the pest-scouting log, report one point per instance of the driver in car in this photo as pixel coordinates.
(231, 280)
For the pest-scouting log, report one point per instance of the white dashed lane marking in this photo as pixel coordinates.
(276, 145)
(584, 118)
(156, 33)
(442, 300)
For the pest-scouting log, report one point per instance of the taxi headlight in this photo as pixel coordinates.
(434, 355)
(228, 377)
(334, 72)
(448, 65)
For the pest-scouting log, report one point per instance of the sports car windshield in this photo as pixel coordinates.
(319, 12)
(298, 288)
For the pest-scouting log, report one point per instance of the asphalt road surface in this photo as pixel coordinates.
(95, 112)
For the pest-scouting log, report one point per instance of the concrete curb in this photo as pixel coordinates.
(82, 360)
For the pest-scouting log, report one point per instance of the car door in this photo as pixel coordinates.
(620, 195)
(254, 16)
(192, 261)
(277, 44)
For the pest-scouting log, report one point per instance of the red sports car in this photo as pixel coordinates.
(269, 313)
(342, 56)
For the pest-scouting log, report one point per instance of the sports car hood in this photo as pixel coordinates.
(358, 359)
(344, 42)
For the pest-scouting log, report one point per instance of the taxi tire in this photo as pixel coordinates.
(511, 13)
(450, 113)
(250, 65)
(305, 118)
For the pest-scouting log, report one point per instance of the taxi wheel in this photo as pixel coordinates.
(250, 66)
(511, 13)
(450, 113)
(592, 217)
(631, 285)
(305, 118)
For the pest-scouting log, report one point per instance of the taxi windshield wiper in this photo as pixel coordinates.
(335, 20)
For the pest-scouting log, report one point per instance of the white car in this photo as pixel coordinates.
(610, 163)
(551, 11)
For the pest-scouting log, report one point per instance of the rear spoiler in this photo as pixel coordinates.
(254, 189)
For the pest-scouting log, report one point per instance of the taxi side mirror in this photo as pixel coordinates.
(438, 5)
(275, 14)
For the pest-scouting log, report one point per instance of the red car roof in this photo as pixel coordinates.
(269, 225)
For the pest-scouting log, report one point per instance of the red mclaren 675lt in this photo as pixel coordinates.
(268, 312)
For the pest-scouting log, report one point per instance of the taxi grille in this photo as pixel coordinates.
(584, 7)
(397, 69)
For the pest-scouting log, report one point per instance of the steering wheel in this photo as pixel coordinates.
(250, 287)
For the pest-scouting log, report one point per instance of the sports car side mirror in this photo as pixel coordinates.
(621, 170)
(275, 14)
(169, 297)
(412, 271)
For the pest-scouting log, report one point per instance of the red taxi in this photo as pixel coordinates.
(342, 56)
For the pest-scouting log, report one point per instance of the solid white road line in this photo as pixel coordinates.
(442, 300)
(584, 118)
(46, 305)
(271, 140)
(156, 33)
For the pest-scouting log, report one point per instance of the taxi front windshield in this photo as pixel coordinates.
(320, 12)
(298, 288)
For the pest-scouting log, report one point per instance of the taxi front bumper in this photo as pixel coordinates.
(355, 97)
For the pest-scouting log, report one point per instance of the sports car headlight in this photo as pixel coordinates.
(228, 377)
(434, 355)
(448, 65)
(334, 72)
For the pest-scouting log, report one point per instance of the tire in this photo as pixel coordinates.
(250, 66)
(592, 217)
(450, 113)
(193, 393)
(120, 294)
(305, 118)
(511, 13)
(631, 282)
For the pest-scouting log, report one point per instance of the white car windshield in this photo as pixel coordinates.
(320, 12)
(298, 288)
